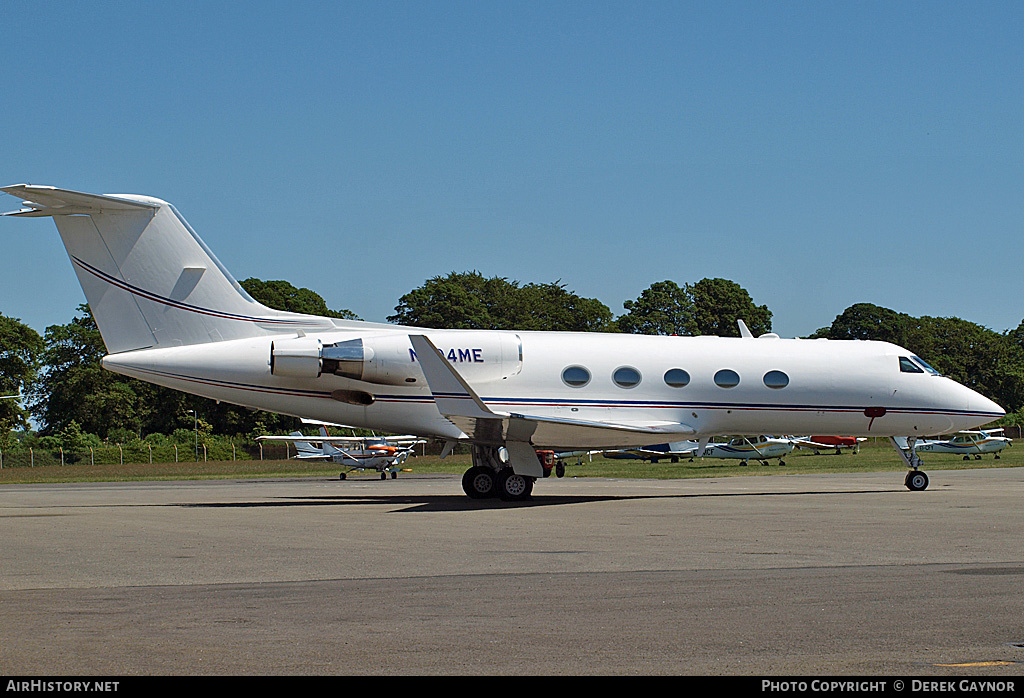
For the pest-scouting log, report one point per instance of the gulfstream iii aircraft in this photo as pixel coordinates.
(170, 313)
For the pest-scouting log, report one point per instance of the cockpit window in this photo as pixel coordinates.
(908, 366)
(921, 362)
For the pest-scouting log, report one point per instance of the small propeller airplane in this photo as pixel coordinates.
(966, 443)
(828, 443)
(381, 453)
(656, 452)
(742, 448)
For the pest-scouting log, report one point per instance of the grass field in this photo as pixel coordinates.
(874, 456)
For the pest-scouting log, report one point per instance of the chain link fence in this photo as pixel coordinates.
(29, 457)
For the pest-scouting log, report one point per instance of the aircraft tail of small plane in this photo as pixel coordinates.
(149, 279)
(306, 449)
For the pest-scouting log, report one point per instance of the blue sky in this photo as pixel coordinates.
(819, 154)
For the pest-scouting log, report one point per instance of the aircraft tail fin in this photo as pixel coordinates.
(148, 277)
(305, 449)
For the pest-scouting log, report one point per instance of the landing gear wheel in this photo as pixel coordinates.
(478, 482)
(560, 469)
(512, 487)
(342, 476)
(916, 481)
(394, 475)
(383, 476)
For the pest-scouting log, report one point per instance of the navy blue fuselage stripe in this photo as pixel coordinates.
(135, 290)
(542, 402)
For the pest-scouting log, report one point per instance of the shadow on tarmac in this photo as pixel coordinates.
(456, 503)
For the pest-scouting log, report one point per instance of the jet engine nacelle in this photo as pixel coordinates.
(296, 358)
(388, 359)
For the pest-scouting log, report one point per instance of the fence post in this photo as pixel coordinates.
(31, 457)
(1, 459)
(204, 453)
(150, 453)
(175, 453)
(92, 457)
(233, 452)
(121, 454)
(61, 456)
(261, 450)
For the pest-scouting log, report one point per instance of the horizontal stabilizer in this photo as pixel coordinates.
(49, 201)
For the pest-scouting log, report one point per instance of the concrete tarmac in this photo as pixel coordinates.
(777, 576)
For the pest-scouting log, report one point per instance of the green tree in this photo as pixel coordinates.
(662, 308)
(20, 347)
(468, 300)
(708, 307)
(281, 295)
(73, 388)
(868, 321)
(719, 303)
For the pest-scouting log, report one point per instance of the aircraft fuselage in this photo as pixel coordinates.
(713, 385)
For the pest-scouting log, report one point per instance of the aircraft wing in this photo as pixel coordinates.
(807, 443)
(398, 440)
(460, 404)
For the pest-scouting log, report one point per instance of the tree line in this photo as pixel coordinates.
(78, 404)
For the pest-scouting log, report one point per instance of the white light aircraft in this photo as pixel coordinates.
(170, 313)
(381, 453)
(743, 448)
(966, 443)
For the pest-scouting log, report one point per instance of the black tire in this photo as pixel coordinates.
(560, 469)
(478, 482)
(342, 476)
(916, 481)
(511, 487)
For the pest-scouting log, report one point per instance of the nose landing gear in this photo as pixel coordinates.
(916, 480)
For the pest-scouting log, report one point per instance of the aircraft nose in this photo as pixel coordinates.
(980, 403)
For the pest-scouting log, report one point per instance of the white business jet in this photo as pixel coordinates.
(170, 313)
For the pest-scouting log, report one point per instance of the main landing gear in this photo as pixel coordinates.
(490, 477)
(916, 480)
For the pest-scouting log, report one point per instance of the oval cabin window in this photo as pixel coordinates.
(576, 376)
(626, 377)
(676, 378)
(727, 378)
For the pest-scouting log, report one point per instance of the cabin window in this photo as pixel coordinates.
(576, 376)
(626, 377)
(776, 380)
(677, 378)
(727, 378)
(923, 364)
(908, 366)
